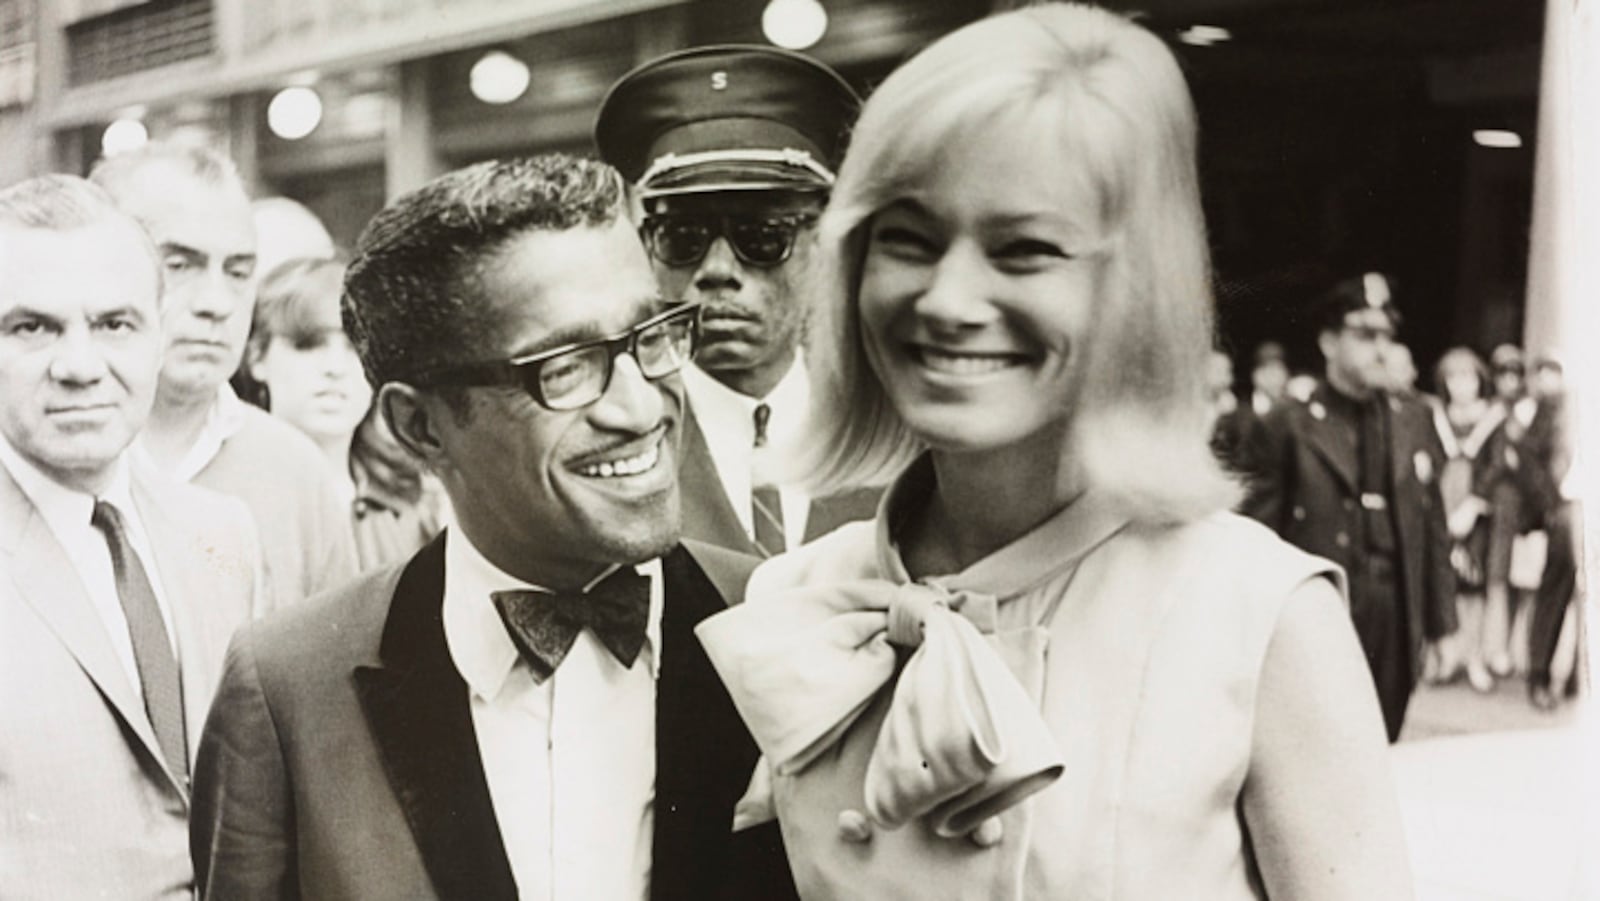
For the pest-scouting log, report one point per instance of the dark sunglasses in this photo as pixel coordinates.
(577, 375)
(757, 240)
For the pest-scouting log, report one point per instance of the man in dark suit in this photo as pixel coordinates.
(520, 710)
(118, 590)
(1352, 475)
(732, 150)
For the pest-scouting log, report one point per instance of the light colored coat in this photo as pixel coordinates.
(87, 808)
(1141, 648)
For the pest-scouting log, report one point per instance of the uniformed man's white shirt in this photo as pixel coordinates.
(727, 419)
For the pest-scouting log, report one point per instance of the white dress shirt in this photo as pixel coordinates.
(571, 763)
(727, 419)
(224, 419)
(68, 514)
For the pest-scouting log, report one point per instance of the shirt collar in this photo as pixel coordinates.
(65, 509)
(1053, 546)
(224, 420)
(482, 651)
(725, 411)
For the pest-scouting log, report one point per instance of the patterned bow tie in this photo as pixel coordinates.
(543, 625)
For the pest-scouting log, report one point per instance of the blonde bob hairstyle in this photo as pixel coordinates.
(1141, 428)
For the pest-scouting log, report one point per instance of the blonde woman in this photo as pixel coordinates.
(1055, 666)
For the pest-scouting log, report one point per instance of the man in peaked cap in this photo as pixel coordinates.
(732, 150)
(1352, 475)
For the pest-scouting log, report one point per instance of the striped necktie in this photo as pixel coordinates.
(766, 506)
(159, 677)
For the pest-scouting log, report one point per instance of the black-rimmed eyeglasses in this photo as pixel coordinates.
(679, 239)
(576, 375)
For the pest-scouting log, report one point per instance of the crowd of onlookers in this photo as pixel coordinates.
(1504, 458)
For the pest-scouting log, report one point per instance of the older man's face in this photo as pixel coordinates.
(80, 346)
(206, 236)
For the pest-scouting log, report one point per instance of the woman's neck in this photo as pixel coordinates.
(336, 449)
(986, 500)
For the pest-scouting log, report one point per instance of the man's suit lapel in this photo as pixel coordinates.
(185, 588)
(1330, 442)
(418, 708)
(47, 582)
(708, 515)
(704, 756)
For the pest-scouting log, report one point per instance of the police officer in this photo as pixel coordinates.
(732, 150)
(1352, 475)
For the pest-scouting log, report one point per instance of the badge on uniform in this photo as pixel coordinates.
(1424, 466)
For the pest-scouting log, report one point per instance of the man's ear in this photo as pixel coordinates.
(1327, 342)
(411, 417)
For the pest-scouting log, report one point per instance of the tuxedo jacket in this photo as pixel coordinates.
(340, 759)
(88, 807)
(1306, 486)
(708, 514)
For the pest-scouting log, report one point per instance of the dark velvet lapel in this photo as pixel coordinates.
(417, 707)
(704, 756)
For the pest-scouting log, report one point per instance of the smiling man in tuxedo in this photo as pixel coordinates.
(521, 710)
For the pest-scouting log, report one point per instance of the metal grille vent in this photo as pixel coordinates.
(137, 38)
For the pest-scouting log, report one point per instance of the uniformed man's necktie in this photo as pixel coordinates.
(159, 676)
(1376, 494)
(766, 505)
(544, 624)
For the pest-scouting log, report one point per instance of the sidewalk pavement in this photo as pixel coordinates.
(1510, 814)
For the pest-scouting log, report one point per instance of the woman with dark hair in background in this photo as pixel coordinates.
(1055, 666)
(306, 372)
(1472, 432)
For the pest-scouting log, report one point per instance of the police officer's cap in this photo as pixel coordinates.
(727, 118)
(1368, 291)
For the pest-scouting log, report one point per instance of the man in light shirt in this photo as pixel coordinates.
(118, 592)
(521, 710)
(194, 207)
(732, 150)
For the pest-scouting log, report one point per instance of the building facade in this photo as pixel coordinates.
(394, 102)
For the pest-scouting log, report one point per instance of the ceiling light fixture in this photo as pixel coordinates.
(294, 113)
(1204, 35)
(123, 135)
(498, 77)
(1496, 137)
(794, 24)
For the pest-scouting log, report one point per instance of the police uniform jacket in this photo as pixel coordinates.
(1305, 484)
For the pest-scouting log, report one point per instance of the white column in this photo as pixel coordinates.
(1564, 309)
(1564, 247)
(410, 158)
